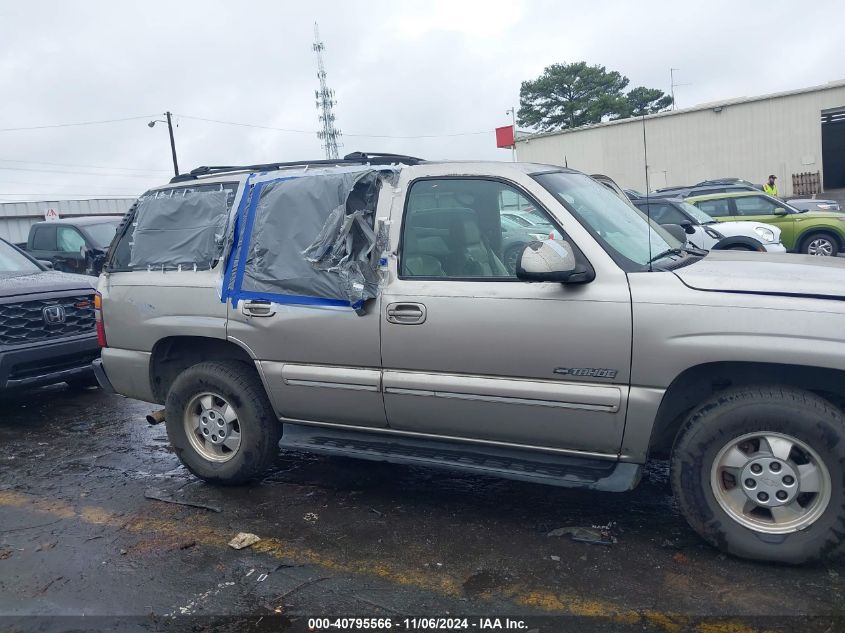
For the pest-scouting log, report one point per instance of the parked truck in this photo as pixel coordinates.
(363, 307)
(75, 244)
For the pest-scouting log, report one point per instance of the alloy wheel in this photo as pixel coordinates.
(771, 482)
(212, 427)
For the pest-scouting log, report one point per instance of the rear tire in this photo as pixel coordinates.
(820, 245)
(722, 466)
(221, 423)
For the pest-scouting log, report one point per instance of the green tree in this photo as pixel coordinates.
(642, 100)
(569, 95)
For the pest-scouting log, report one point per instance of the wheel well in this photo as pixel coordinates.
(828, 232)
(173, 355)
(698, 383)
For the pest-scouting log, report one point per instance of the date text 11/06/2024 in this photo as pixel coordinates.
(416, 624)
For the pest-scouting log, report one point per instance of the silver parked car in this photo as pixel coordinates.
(363, 308)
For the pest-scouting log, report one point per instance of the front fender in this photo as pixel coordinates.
(738, 241)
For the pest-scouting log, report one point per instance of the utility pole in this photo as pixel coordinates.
(328, 134)
(512, 112)
(673, 85)
(169, 122)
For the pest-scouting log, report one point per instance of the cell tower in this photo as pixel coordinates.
(328, 134)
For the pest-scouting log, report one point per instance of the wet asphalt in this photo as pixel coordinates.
(79, 536)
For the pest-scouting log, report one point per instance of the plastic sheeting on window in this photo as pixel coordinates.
(307, 239)
(179, 230)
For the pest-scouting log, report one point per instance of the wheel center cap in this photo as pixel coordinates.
(769, 482)
(213, 426)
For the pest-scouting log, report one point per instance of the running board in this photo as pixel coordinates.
(524, 465)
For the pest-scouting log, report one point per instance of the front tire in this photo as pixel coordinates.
(220, 422)
(758, 472)
(820, 245)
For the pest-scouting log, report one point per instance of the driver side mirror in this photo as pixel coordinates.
(552, 260)
(46, 263)
(780, 211)
(689, 229)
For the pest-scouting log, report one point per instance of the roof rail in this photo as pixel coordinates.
(355, 158)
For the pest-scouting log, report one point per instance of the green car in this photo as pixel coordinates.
(811, 232)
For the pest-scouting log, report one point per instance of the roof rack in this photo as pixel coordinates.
(355, 158)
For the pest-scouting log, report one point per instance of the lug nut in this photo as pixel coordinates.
(750, 483)
(756, 469)
(780, 494)
(775, 467)
(763, 497)
(788, 480)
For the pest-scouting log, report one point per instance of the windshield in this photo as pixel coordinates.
(619, 226)
(698, 214)
(11, 261)
(101, 234)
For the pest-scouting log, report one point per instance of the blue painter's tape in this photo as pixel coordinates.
(227, 275)
(250, 220)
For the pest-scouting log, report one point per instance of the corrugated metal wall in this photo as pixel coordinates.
(17, 217)
(779, 135)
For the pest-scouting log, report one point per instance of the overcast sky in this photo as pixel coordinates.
(398, 69)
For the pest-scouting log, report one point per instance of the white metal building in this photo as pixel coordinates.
(17, 217)
(751, 137)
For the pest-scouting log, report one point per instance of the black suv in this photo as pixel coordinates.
(47, 324)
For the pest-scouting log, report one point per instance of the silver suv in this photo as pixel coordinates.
(366, 308)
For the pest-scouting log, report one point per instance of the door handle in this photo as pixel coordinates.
(406, 313)
(257, 308)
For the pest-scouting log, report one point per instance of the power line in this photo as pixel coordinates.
(50, 184)
(66, 193)
(220, 122)
(39, 162)
(55, 125)
(73, 172)
(295, 131)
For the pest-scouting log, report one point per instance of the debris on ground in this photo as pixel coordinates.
(310, 517)
(596, 534)
(159, 495)
(5, 553)
(680, 558)
(243, 539)
(43, 547)
(555, 558)
(187, 544)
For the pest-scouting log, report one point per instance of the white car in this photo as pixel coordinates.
(706, 233)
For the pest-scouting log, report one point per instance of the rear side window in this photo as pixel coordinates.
(715, 208)
(180, 226)
(44, 238)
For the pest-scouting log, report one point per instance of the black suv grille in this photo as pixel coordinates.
(25, 321)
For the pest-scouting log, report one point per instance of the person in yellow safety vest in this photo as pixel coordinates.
(770, 187)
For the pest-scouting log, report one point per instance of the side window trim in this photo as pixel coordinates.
(509, 183)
